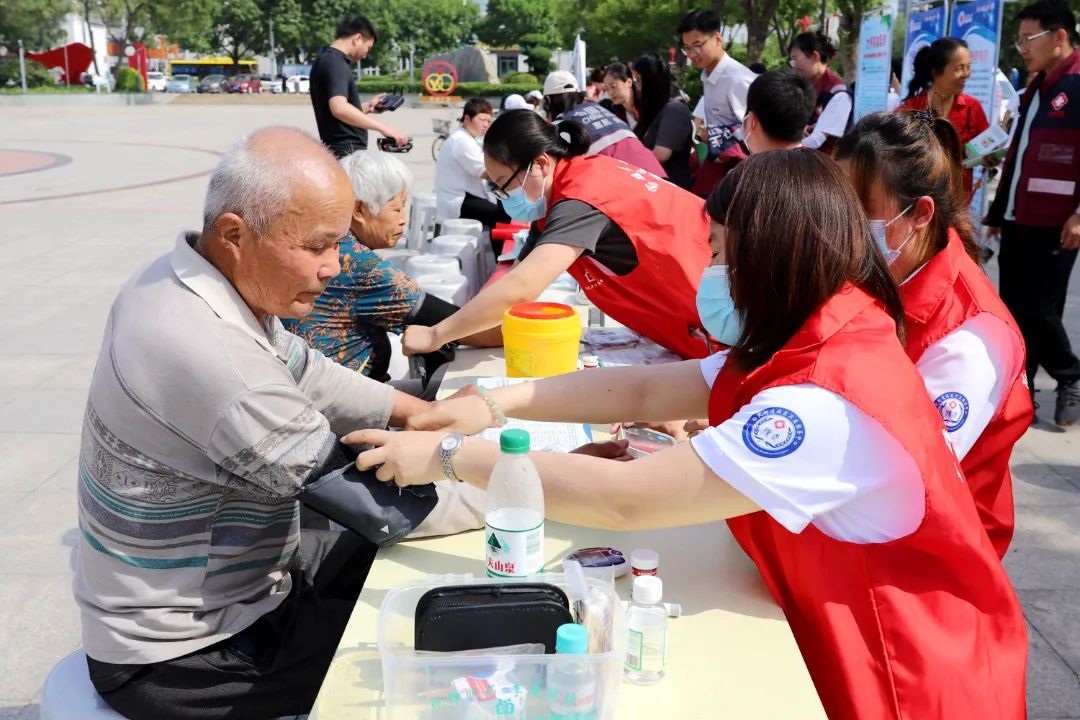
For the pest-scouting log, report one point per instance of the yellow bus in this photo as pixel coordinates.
(212, 66)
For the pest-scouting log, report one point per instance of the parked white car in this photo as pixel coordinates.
(156, 81)
(298, 84)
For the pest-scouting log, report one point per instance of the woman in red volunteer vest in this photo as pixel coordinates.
(636, 244)
(965, 344)
(823, 453)
(810, 54)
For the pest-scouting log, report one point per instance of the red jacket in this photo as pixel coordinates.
(948, 291)
(670, 232)
(967, 116)
(925, 627)
(1049, 188)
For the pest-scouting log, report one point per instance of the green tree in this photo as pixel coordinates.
(127, 22)
(538, 58)
(759, 21)
(35, 22)
(851, 12)
(187, 23)
(623, 29)
(432, 27)
(785, 21)
(508, 21)
(240, 28)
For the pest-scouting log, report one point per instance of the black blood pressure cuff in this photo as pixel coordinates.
(380, 512)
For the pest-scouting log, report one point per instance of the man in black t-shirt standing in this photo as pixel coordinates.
(342, 119)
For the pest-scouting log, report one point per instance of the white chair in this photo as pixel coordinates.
(398, 256)
(421, 221)
(466, 250)
(432, 264)
(464, 226)
(68, 693)
(453, 288)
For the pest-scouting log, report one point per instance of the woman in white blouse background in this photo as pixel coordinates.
(460, 178)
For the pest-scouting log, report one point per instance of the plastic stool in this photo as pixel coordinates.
(465, 249)
(432, 264)
(421, 221)
(449, 287)
(68, 693)
(463, 226)
(398, 257)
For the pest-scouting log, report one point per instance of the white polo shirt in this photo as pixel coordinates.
(725, 92)
(458, 170)
(832, 122)
(807, 456)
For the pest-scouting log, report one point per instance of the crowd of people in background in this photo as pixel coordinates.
(855, 382)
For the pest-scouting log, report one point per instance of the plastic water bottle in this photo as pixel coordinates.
(514, 517)
(571, 685)
(646, 651)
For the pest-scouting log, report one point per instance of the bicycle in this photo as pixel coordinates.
(442, 128)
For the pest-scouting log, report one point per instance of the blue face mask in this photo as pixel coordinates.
(715, 307)
(519, 207)
(878, 229)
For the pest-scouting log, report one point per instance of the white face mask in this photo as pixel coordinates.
(878, 229)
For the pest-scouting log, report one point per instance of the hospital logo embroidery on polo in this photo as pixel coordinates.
(953, 408)
(773, 432)
(1060, 101)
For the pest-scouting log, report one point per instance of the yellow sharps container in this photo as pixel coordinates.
(540, 339)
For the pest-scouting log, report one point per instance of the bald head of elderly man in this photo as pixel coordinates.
(206, 421)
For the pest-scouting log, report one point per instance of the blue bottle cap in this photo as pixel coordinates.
(572, 639)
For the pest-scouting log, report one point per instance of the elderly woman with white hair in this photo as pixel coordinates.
(371, 297)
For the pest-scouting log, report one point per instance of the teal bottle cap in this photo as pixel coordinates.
(514, 441)
(572, 639)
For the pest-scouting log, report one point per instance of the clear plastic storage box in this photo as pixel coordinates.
(429, 687)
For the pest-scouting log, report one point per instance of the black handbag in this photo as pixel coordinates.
(472, 617)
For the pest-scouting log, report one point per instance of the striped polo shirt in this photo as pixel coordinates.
(202, 425)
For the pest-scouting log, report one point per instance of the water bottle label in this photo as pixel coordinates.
(513, 552)
(647, 651)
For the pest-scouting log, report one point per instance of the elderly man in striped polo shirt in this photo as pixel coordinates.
(200, 596)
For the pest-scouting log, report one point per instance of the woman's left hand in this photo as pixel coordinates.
(407, 458)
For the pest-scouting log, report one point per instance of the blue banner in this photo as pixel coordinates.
(874, 62)
(924, 26)
(978, 23)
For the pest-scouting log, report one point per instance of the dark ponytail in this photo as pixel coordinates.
(931, 61)
(517, 137)
(912, 155)
(818, 42)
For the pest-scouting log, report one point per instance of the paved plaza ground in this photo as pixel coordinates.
(89, 193)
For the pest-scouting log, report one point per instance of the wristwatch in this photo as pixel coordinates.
(447, 448)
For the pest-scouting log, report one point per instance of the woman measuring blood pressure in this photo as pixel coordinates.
(636, 244)
(824, 455)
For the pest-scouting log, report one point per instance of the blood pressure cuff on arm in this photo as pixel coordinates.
(380, 512)
(430, 311)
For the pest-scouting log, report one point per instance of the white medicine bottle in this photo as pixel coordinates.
(646, 620)
(514, 515)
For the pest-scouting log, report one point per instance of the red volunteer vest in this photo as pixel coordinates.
(670, 232)
(949, 290)
(926, 627)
